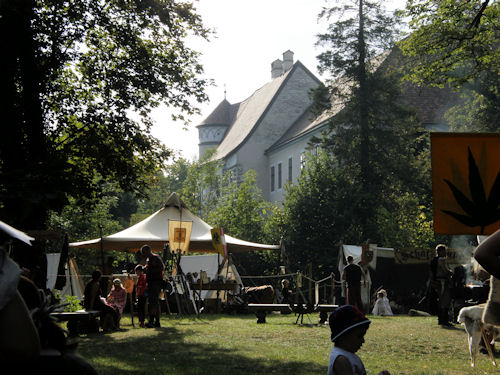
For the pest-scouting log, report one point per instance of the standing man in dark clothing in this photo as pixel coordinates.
(154, 280)
(352, 275)
(442, 282)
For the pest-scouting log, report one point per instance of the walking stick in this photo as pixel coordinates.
(131, 309)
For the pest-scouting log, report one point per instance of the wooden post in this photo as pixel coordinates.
(199, 292)
(333, 288)
(131, 308)
(297, 287)
(217, 280)
(101, 247)
(168, 306)
(311, 299)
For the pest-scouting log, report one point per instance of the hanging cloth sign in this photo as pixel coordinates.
(219, 241)
(179, 235)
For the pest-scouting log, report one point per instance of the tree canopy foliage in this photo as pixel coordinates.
(79, 79)
(243, 213)
(375, 141)
(368, 180)
(452, 41)
(358, 31)
(455, 43)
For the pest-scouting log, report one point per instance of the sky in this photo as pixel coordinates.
(250, 35)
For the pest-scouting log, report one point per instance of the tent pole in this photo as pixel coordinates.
(70, 277)
(227, 272)
(218, 280)
(101, 246)
(310, 284)
(333, 288)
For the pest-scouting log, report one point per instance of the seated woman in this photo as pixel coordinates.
(92, 300)
(117, 298)
(382, 306)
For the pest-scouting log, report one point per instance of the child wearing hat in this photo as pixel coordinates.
(348, 326)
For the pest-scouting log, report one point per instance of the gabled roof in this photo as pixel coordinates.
(222, 115)
(307, 124)
(430, 103)
(303, 125)
(250, 112)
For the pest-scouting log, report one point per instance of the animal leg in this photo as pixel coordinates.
(474, 340)
(487, 343)
(471, 350)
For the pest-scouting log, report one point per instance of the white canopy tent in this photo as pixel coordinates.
(154, 231)
(211, 263)
(15, 233)
(74, 283)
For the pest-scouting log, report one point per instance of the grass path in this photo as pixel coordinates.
(222, 344)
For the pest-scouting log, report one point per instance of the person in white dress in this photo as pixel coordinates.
(382, 306)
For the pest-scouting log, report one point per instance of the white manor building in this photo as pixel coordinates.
(270, 131)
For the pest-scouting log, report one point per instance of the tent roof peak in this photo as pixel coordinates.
(175, 201)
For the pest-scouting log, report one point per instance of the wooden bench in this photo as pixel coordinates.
(300, 309)
(80, 321)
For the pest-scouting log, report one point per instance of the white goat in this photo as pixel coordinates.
(471, 318)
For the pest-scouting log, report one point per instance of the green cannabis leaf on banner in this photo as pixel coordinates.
(480, 211)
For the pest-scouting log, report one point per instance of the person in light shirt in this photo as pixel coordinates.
(382, 306)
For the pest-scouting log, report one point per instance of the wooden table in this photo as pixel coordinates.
(79, 318)
(230, 286)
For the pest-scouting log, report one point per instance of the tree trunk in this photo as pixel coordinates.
(23, 141)
(364, 157)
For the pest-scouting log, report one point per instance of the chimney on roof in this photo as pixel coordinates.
(276, 68)
(287, 61)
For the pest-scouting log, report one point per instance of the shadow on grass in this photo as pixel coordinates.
(167, 351)
(309, 320)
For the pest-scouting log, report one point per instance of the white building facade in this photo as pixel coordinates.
(270, 130)
(243, 133)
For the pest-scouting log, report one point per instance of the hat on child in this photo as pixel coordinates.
(344, 319)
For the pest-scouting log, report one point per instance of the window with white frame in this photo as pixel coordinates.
(302, 159)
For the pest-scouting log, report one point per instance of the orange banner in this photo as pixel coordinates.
(466, 182)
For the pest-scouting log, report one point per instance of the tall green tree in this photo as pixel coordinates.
(321, 211)
(164, 183)
(85, 222)
(242, 212)
(455, 43)
(203, 185)
(374, 139)
(71, 74)
(241, 209)
(317, 216)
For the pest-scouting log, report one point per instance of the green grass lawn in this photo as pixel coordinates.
(236, 344)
